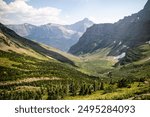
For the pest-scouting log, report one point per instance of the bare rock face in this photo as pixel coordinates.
(120, 36)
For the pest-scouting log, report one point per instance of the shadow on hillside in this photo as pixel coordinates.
(35, 46)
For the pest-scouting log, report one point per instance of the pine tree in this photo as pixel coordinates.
(74, 88)
(102, 86)
(122, 83)
(95, 86)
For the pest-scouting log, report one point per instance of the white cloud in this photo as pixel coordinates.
(20, 12)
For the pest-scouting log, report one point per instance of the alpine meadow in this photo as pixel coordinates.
(81, 61)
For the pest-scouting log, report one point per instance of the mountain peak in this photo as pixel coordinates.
(86, 19)
(82, 25)
(58, 35)
(26, 24)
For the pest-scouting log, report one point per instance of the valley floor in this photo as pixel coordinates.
(94, 77)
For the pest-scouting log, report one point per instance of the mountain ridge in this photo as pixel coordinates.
(126, 33)
(56, 35)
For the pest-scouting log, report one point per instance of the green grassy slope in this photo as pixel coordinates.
(137, 63)
(26, 77)
(128, 81)
(29, 70)
(96, 63)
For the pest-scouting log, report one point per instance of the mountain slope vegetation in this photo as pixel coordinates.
(29, 72)
(113, 62)
(29, 68)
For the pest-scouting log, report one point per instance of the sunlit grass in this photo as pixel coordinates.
(5, 62)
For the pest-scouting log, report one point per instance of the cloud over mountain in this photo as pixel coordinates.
(20, 11)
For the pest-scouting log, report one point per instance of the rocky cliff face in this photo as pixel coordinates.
(120, 36)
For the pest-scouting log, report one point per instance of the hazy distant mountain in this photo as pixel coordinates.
(11, 42)
(23, 29)
(127, 33)
(58, 36)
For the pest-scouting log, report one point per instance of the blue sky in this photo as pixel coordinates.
(67, 11)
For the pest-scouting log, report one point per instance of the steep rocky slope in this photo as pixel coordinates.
(127, 33)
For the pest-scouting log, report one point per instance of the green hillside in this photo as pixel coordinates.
(96, 63)
(29, 70)
(126, 81)
(21, 71)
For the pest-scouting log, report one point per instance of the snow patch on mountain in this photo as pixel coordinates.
(148, 42)
(120, 43)
(120, 56)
